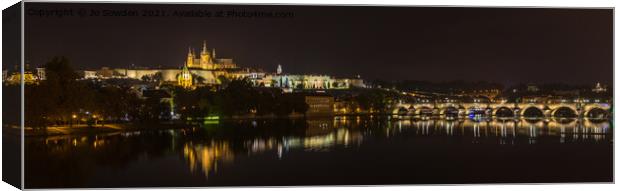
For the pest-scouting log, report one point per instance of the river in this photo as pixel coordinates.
(328, 151)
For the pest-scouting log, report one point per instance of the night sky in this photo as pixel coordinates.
(509, 46)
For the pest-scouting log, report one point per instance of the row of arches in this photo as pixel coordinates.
(561, 112)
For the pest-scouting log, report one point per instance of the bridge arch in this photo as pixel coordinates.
(402, 108)
(449, 110)
(401, 111)
(503, 111)
(596, 110)
(532, 111)
(475, 109)
(597, 113)
(564, 111)
(424, 110)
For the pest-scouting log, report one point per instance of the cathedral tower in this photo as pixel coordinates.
(206, 60)
(190, 59)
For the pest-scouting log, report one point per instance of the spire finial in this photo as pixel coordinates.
(204, 46)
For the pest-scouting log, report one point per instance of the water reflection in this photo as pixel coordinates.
(205, 148)
(205, 157)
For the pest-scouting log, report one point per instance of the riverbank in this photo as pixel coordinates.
(85, 130)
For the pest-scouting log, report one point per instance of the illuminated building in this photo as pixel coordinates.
(185, 78)
(30, 77)
(208, 61)
(305, 81)
(320, 105)
(205, 69)
(89, 74)
(15, 78)
(206, 66)
(532, 88)
(599, 88)
(41, 73)
(105, 72)
(279, 70)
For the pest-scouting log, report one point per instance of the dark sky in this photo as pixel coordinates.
(502, 45)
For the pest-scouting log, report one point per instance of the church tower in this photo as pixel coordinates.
(184, 79)
(190, 59)
(205, 58)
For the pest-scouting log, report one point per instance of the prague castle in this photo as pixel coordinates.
(207, 69)
(206, 66)
(208, 61)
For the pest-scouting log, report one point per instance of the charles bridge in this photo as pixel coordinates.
(526, 107)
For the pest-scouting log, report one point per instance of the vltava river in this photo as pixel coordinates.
(341, 150)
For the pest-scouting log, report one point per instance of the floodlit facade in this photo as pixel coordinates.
(305, 81)
(205, 68)
(185, 78)
(319, 105)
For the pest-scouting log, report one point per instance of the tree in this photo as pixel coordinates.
(223, 81)
(59, 96)
(238, 98)
(66, 94)
(38, 106)
(373, 99)
(146, 78)
(198, 79)
(158, 77)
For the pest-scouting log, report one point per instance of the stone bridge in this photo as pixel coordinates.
(505, 109)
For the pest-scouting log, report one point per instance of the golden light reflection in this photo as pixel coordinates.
(205, 158)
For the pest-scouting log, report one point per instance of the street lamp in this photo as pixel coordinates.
(74, 117)
(95, 118)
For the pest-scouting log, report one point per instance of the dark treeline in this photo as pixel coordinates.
(62, 99)
(368, 99)
(438, 87)
(458, 86)
(551, 87)
(237, 98)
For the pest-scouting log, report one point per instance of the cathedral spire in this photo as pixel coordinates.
(204, 47)
(190, 52)
(213, 54)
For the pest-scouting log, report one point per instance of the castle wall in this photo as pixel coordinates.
(206, 74)
(170, 74)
